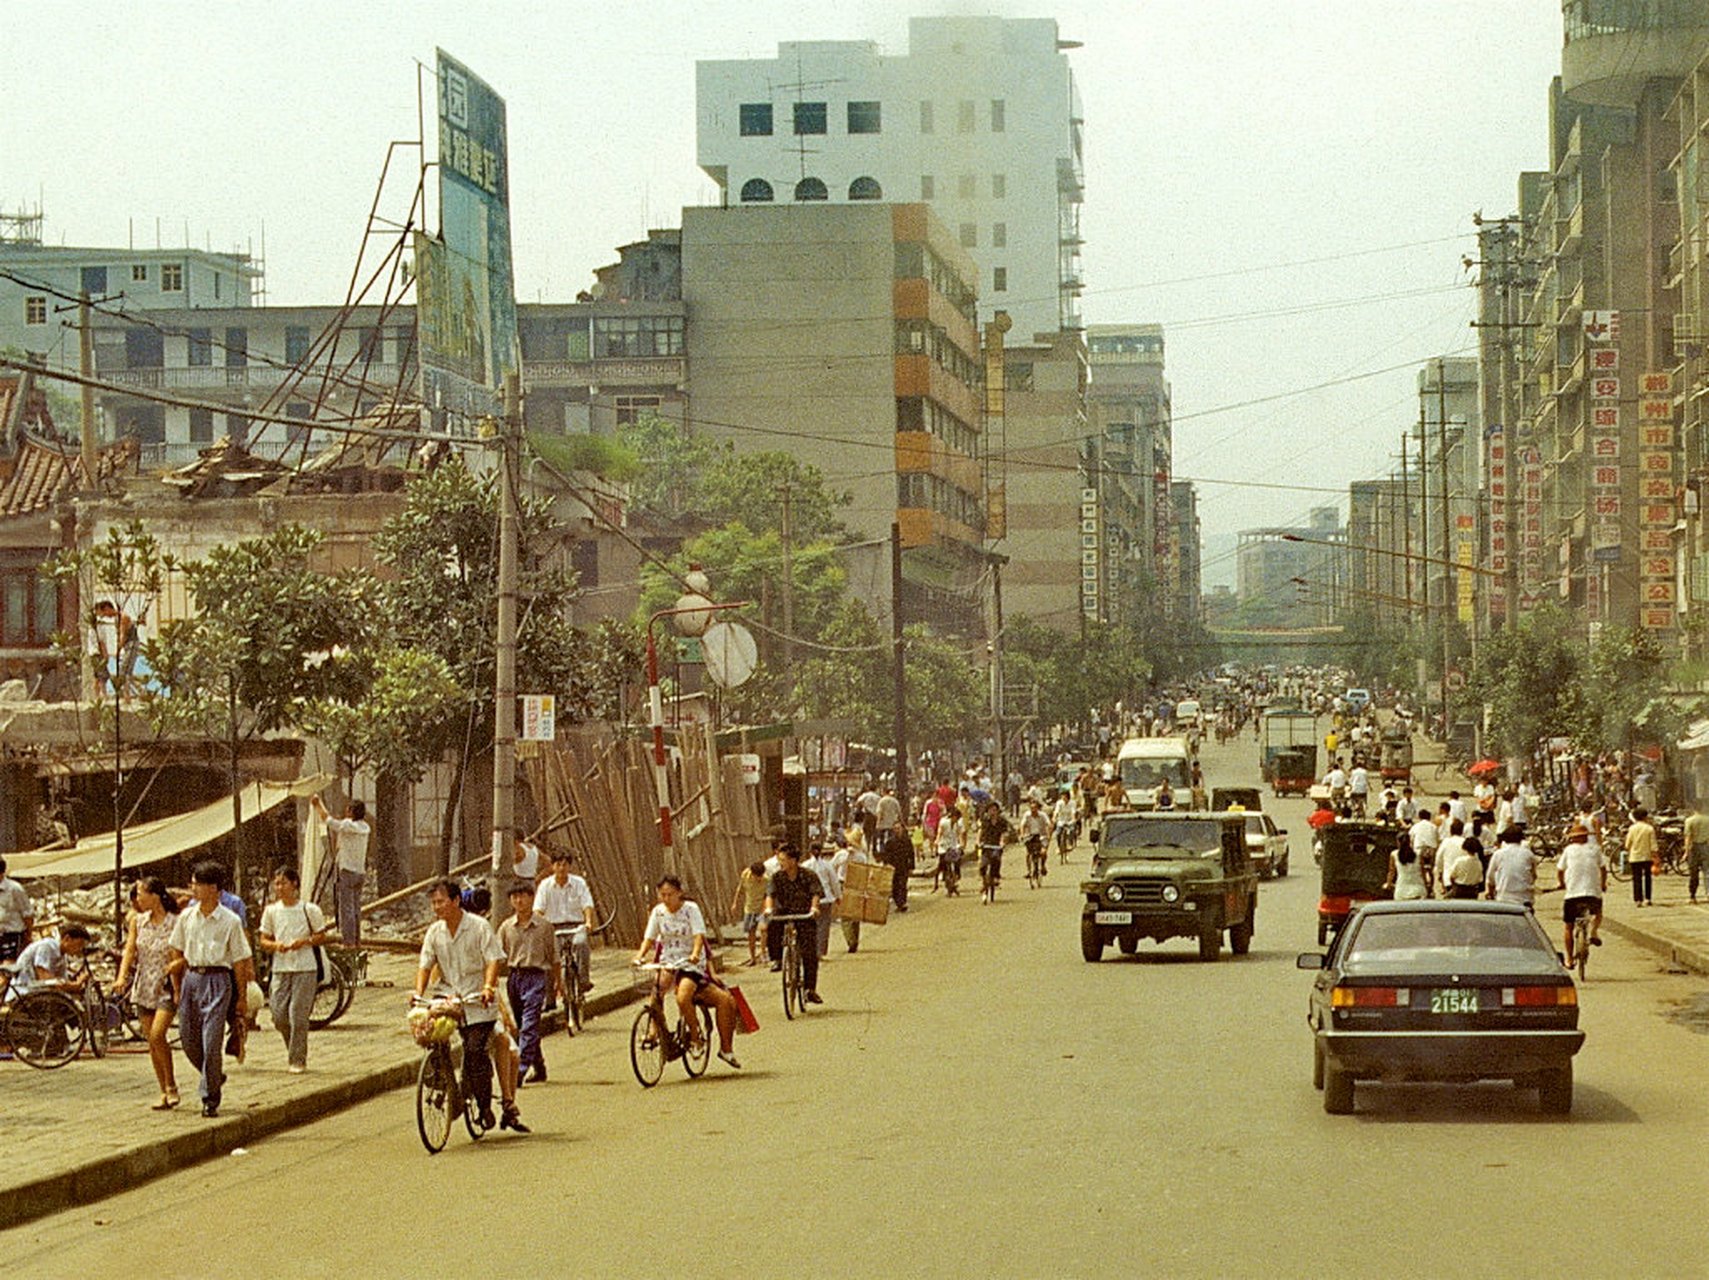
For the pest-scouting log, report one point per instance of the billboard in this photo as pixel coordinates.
(465, 291)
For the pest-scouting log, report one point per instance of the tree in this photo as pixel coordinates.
(1625, 672)
(1531, 678)
(751, 488)
(672, 458)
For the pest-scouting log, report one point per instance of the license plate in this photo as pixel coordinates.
(1454, 1000)
(1112, 917)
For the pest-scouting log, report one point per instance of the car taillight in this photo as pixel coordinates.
(1539, 997)
(1368, 997)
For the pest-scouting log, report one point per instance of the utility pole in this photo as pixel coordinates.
(788, 581)
(1451, 581)
(86, 366)
(1000, 762)
(504, 693)
(1406, 518)
(900, 691)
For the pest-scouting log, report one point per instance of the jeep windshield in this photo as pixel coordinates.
(1162, 837)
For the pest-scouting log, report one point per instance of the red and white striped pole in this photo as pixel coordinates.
(661, 774)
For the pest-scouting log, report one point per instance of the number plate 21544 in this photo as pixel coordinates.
(1454, 1000)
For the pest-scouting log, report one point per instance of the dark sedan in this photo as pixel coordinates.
(1450, 991)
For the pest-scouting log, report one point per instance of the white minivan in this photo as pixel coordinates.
(1144, 764)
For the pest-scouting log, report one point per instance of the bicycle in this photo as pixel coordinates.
(949, 870)
(1581, 942)
(990, 872)
(573, 981)
(794, 990)
(1067, 836)
(439, 1081)
(1035, 861)
(43, 1028)
(653, 1044)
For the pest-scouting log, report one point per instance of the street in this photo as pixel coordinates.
(974, 1099)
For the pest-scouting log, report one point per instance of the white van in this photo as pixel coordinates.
(1144, 764)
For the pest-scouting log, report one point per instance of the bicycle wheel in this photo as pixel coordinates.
(575, 997)
(332, 998)
(647, 1047)
(694, 1061)
(1581, 945)
(435, 1096)
(791, 974)
(97, 1021)
(45, 1028)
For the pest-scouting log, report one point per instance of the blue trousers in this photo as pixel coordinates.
(202, 1013)
(527, 990)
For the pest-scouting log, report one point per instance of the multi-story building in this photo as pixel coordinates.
(1131, 451)
(1688, 263)
(846, 335)
(1185, 548)
(1449, 443)
(1292, 576)
(980, 119)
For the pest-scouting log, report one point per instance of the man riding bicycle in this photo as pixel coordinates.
(994, 832)
(1034, 828)
(564, 899)
(1582, 870)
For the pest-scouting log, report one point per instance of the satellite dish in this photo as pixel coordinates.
(731, 654)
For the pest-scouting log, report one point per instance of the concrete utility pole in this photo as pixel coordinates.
(86, 366)
(504, 693)
(1406, 521)
(788, 580)
(1451, 582)
(900, 691)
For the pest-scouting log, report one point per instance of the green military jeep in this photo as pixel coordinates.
(1170, 875)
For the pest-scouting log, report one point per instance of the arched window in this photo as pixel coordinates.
(756, 191)
(865, 189)
(811, 189)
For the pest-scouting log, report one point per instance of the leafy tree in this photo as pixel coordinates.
(1531, 677)
(673, 459)
(1624, 672)
(750, 488)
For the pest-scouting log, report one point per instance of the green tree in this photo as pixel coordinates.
(673, 459)
(1624, 673)
(751, 488)
(1531, 677)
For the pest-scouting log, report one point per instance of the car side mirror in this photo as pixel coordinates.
(1309, 960)
(1281, 831)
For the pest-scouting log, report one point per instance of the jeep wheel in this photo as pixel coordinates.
(1316, 1063)
(1337, 1091)
(1091, 944)
(1128, 944)
(1240, 935)
(1210, 943)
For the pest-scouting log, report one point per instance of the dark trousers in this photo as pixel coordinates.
(1641, 886)
(527, 989)
(203, 1009)
(1697, 858)
(899, 883)
(11, 944)
(806, 942)
(478, 1063)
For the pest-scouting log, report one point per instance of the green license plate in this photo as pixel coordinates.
(1454, 1000)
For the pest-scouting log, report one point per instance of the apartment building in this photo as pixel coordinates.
(1130, 448)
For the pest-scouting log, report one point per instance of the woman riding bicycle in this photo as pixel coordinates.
(676, 935)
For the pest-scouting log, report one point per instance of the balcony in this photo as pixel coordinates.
(251, 377)
(607, 372)
(1569, 231)
(1614, 47)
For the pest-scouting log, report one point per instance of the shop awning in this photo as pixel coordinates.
(153, 841)
(1696, 736)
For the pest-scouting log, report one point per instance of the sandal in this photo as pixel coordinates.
(167, 1102)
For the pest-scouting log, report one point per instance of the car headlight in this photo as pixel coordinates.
(1170, 893)
(1114, 893)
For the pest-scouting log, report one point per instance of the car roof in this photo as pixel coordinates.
(1481, 907)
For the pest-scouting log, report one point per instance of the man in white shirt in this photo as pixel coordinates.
(209, 947)
(1425, 840)
(566, 903)
(820, 864)
(1521, 804)
(1359, 788)
(17, 916)
(467, 953)
(1512, 873)
(1456, 806)
(350, 835)
(1448, 850)
(42, 963)
(1336, 781)
(1407, 809)
(1582, 870)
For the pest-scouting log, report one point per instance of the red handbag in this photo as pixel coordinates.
(744, 1011)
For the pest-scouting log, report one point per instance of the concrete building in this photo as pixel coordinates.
(1292, 577)
(1688, 264)
(846, 334)
(1132, 446)
(1185, 550)
(1450, 443)
(980, 119)
(1058, 574)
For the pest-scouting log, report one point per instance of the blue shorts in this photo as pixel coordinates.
(752, 921)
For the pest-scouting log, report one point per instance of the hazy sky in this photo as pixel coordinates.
(1286, 186)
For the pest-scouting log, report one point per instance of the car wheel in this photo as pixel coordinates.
(1337, 1091)
(1316, 1063)
(1091, 945)
(1127, 945)
(1240, 936)
(1282, 867)
(1210, 944)
(1555, 1093)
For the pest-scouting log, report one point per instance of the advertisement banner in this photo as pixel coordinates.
(1656, 493)
(1498, 499)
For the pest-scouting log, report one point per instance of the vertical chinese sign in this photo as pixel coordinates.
(1607, 540)
(1498, 508)
(1656, 493)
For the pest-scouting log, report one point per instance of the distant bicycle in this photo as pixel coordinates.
(794, 989)
(990, 871)
(43, 1028)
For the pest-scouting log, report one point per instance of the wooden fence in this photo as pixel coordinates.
(597, 798)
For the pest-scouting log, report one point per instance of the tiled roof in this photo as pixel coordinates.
(36, 467)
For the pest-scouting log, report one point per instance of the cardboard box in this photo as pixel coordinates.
(866, 892)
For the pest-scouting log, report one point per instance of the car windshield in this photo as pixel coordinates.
(1446, 940)
(1147, 775)
(1191, 837)
(1254, 825)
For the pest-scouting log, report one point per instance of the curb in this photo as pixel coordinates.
(1686, 957)
(97, 1179)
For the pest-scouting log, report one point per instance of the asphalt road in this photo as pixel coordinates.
(974, 1099)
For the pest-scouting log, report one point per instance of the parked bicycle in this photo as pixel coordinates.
(653, 1043)
(440, 1088)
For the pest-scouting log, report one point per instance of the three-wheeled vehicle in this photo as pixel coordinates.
(1294, 771)
(1355, 870)
(1397, 755)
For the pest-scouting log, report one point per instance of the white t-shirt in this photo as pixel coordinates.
(352, 836)
(675, 931)
(1513, 874)
(1359, 782)
(528, 866)
(287, 924)
(1457, 810)
(1335, 780)
(1582, 864)
(1424, 834)
(1448, 849)
(566, 903)
(463, 959)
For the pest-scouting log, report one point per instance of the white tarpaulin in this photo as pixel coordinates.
(1696, 737)
(152, 841)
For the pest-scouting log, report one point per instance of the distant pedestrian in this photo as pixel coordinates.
(820, 864)
(350, 835)
(292, 931)
(17, 916)
(749, 903)
(525, 863)
(1641, 855)
(855, 851)
(898, 853)
(531, 952)
(143, 971)
(211, 952)
(1696, 846)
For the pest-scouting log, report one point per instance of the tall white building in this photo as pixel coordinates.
(979, 119)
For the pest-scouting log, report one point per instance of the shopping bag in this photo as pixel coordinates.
(744, 1011)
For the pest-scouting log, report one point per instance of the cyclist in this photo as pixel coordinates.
(1063, 818)
(564, 899)
(467, 953)
(1582, 870)
(994, 832)
(950, 835)
(42, 963)
(794, 891)
(676, 936)
(1034, 828)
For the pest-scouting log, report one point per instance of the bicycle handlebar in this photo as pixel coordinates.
(785, 919)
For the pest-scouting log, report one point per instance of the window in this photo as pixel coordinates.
(216, 284)
(35, 310)
(865, 189)
(139, 272)
(999, 235)
(997, 115)
(864, 117)
(201, 426)
(967, 186)
(811, 189)
(756, 191)
(925, 117)
(970, 235)
(638, 336)
(144, 348)
(296, 343)
(584, 560)
(403, 343)
(94, 281)
(928, 188)
(809, 117)
(200, 349)
(236, 347)
(302, 410)
(237, 428)
(999, 279)
(999, 185)
(368, 344)
(755, 120)
(172, 277)
(964, 117)
(631, 408)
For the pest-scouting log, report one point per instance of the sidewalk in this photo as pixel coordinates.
(85, 1130)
